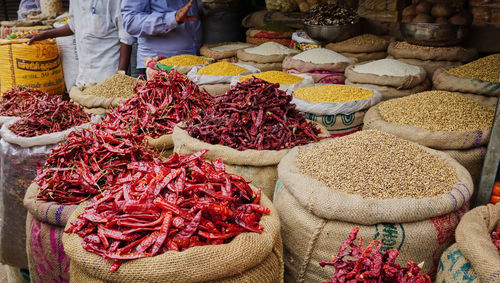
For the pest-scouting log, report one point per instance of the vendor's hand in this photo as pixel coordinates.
(35, 37)
(182, 14)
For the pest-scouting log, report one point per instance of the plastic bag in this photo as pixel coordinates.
(28, 7)
(307, 81)
(337, 108)
(209, 79)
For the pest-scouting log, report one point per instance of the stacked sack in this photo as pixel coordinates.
(480, 77)
(339, 108)
(407, 196)
(265, 57)
(431, 58)
(392, 78)
(365, 47)
(324, 65)
(474, 257)
(225, 51)
(271, 32)
(459, 125)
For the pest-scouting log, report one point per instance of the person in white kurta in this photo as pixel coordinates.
(103, 45)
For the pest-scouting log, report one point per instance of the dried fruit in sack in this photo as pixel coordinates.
(495, 236)
(369, 265)
(19, 101)
(160, 103)
(168, 206)
(253, 114)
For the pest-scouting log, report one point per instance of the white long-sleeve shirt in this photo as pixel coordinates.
(98, 29)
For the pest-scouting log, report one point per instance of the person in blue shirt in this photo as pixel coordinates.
(162, 27)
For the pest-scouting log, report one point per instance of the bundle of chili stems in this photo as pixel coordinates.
(19, 101)
(174, 205)
(49, 114)
(253, 114)
(161, 102)
(370, 266)
(495, 236)
(88, 162)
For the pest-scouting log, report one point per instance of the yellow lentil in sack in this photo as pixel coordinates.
(486, 69)
(333, 93)
(184, 60)
(275, 77)
(222, 69)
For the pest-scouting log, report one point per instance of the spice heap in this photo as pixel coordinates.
(438, 111)
(377, 165)
(49, 114)
(160, 103)
(88, 162)
(486, 69)
(331, 13)
(387, 67)
(222, 69)
(275, 77)
(320, 56)
(118, 85)
(495, 236)
(253, 114)
(19, 101)
(184, 60)
(168, 206)
(332, 93)
(270, 48)
(370, 265)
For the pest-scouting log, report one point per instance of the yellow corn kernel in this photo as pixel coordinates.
(184, 60)
(332, 93)
(222, 69)
(486, 69)
(275, 77)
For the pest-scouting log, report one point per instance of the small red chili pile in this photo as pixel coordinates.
(253, 114)
(49, 114)
(19, 101)
(495, 236)
(370, 266)
(161, 103)
(88, 162)
(168, 206)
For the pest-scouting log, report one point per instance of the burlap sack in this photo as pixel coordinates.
(51, 8)
(216, 89)
(324, 77)
(363, 57)
(315, 220)
(244, 56)
(163, 144)
(257, 166)
(44, 229)
(207, 51)
(455, 53)
(263, 66)
(471, 159)
(391, 92)
(96, 111)
(442, 80)
(250, 257)
(256, 32)
(259, 40)
(304, 67)
(352, 45)
(91, 101)
(430, 66)
(474, 257)
(405, 82)
(260, 18)
(340, 124)
(433, 139)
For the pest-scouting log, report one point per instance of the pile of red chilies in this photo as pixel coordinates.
(174, 205)
(49, 114)
(253, 114)
(88, 162)
(495, 236)
(19, 101)
(161, 102)
(370, 266)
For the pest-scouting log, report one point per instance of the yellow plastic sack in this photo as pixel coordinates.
(36, 66)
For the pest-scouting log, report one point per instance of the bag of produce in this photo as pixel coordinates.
(51, 8)
(318, 59)
(181, 63)
(228, 233)
(389, 92)
(365, 43)
(407, 196)
(474, 257)
(222, 50)
(431, 66)
(263, 67)
(35, 66)
(363, 57)
(324, 77)
(281, 34)
(481, 76)
(340, 109)
(287, 82)
(266, 53)
(406, 50)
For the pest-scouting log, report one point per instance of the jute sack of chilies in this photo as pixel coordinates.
(316, 220)
(400, 82)
(443, 80)
(304, 67)
(409, 51)
(44, 230)
(474, 257)
(258, 166)
(389, 92)
(249, 257)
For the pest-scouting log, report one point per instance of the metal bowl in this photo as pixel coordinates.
(333, 33)
(431, 34)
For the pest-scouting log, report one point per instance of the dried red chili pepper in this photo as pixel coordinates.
(495, 236)
(253, 114)
(19, 101)
(369, 265)
(168, 211)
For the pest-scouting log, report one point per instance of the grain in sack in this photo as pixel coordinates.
(474, 257)
(365, 47)
(389, 92)
(224, 50)
(373, 180)
(181, 63)
(267, 56)
(286, 81)
(325, 77)
(317, 59)
(406, 50)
